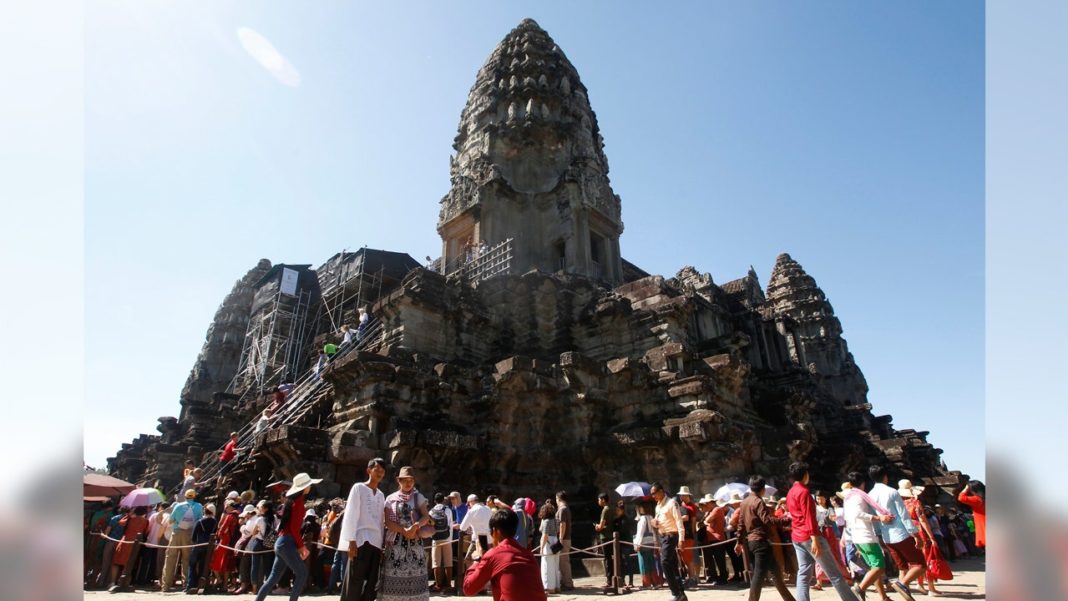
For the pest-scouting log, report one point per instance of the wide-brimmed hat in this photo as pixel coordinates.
(406, 472)
(684, 490)
(300, 482)
(191, 494)
(907, 490)
(735, 498)
(248, 509)
(210, 508)
(705, 500)
(846, 486)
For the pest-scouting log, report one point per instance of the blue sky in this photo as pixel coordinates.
(849, 135)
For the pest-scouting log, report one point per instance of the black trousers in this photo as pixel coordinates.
(737, 565)
(763, 564)
(716, 562)
(361, 575)
(669, 559)
(609, 563)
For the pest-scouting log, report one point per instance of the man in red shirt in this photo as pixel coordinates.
(229, 452)
(512, 570)
(809, 543)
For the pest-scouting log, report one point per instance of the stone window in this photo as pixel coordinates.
(596, 248)
(560, 255)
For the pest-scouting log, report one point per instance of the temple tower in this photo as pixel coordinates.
(530, 166)
(815, 342)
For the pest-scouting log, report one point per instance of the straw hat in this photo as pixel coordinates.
(684, 490)
(734, 500)
(705, 500)
(846, 487)
(300, 482)
(907, 490)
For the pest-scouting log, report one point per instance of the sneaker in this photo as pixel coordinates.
(902, 589)
(858, 592)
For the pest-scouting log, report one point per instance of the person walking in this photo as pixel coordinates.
(549, 547)
(900, 535)
(931, 552)
(668, 523)
(289, 549)
(754, 527)
(861, 514)
(361, 534)
(809, 543)
(404, 574)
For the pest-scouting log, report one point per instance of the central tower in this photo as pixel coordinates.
(530, 166)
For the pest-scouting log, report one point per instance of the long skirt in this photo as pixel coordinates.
(404, 575)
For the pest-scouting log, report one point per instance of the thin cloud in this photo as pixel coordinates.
(264, 53)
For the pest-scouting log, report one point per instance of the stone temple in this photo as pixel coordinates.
(531, 356)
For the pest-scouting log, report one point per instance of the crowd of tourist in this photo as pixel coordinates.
(866, 538)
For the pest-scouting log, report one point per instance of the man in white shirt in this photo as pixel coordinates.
(861, 521)
(900, 535)
(477, 521)
(362, 532)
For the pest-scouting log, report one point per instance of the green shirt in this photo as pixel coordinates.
(608, 514)
(330, 348)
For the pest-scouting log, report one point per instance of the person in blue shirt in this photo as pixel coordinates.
(901, 536)
(184, 518)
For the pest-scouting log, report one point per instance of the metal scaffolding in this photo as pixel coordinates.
(478, 265)
(274, 344)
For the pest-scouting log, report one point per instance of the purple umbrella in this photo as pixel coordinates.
(141, 497)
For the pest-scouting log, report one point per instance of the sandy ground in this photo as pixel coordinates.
(969, 582)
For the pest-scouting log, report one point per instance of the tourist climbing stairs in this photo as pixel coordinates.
(300, 403)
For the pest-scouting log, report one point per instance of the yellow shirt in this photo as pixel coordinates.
(668, 518)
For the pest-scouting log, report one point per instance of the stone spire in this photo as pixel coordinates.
(794, 294)
(528, 136)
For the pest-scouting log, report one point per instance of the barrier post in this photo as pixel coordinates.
(205, 572)
(616, 578)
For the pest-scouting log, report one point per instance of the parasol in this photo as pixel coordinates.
(633, 490)
(102, 485)
(142, 497)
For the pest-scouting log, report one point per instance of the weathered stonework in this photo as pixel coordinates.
(544, 379)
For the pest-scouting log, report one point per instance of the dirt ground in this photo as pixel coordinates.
(969, 582)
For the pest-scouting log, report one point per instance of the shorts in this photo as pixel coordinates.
(686, 551)
(441, 554)
(872, 554)
(906, 554)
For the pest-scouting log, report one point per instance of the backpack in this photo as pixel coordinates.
(270, 537)
(441, 523)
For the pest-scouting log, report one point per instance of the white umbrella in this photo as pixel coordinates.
(141, 497)
(723, 493)
(632, 490)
